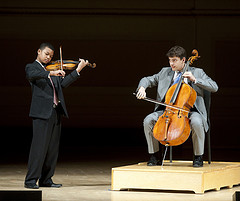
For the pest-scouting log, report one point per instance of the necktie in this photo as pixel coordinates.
(177, 78)
(55, 99)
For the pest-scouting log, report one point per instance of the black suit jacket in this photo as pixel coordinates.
(42, 90)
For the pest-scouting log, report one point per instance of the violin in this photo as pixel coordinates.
(65, 64)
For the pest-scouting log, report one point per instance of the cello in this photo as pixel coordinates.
(172, 128)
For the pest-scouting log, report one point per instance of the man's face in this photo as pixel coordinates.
(176, 63)
(45, 55)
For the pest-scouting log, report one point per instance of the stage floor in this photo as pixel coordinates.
(91, 181)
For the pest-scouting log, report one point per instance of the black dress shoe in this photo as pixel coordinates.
(153, 161)
(198, 161)
(33, 186)
(52, 185)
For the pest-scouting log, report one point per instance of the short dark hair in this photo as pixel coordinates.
(44, 45)
(177, 51)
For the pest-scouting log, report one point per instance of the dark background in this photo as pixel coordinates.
(127, 40)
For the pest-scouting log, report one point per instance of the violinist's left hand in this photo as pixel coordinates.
(81, 65)
(190, 76)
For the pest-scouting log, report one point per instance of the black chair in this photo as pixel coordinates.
(207, 101)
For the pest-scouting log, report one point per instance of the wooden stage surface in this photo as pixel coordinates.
(91, 181)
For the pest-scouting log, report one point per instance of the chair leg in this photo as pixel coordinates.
(209, 147)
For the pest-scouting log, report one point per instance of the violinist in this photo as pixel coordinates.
(47, 107)
(163, 80)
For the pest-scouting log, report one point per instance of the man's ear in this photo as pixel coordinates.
(39, 51)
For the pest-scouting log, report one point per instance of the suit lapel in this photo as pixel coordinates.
(38, 65)
(170, 77)
(54, 79)
(166, 83)
(190, 69)
(41, 68)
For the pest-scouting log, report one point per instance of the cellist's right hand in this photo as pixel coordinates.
(141, 94)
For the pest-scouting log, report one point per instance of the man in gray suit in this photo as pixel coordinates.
(199, 81)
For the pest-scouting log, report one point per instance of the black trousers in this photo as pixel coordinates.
(44, 149)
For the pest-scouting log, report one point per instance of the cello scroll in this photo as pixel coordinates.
(193, 58)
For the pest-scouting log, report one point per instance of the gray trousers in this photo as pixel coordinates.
(197, 129)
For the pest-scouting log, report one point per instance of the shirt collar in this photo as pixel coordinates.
(40, 64)
(176, 73)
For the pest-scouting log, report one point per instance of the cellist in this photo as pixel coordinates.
(163, 80)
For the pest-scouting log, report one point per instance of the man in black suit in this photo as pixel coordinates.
(46, 109)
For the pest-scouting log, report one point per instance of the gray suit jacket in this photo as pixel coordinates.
(163, 80)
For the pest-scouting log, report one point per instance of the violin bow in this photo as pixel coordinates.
(61, 60)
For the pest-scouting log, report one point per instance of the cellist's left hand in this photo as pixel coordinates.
(190, 76)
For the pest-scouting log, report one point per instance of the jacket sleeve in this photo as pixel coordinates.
(69, 79)
(149, 81)
(204, 81)
(33, 73)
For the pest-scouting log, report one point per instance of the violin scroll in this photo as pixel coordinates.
(92, 65)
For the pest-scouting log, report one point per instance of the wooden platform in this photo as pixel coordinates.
(178, 175)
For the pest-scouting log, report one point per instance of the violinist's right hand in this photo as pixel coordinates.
(141, 94)
(57, 73)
